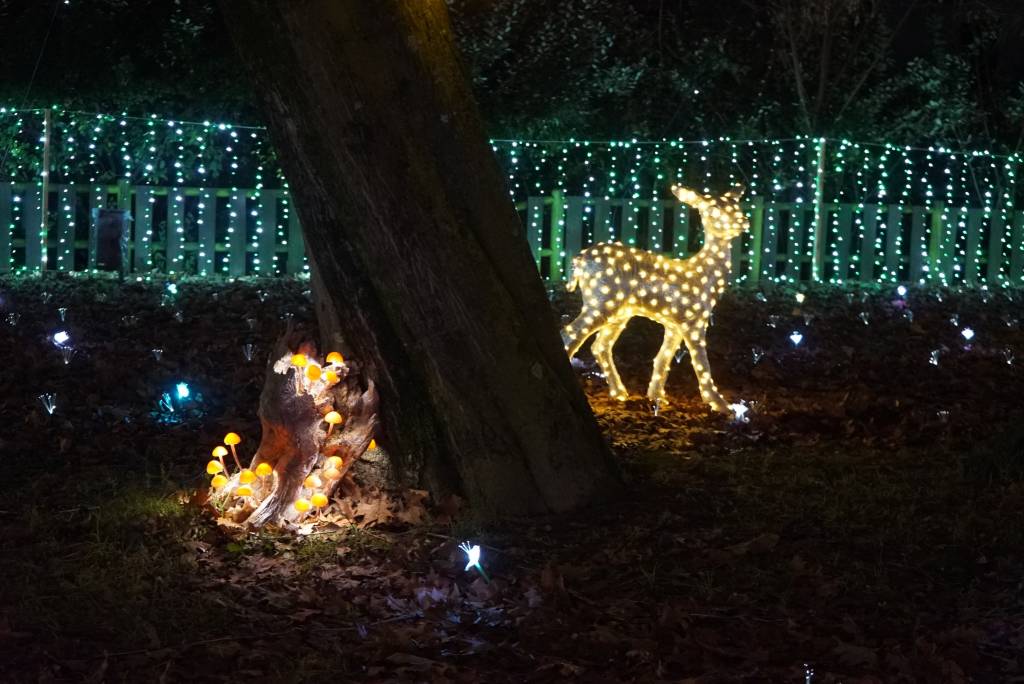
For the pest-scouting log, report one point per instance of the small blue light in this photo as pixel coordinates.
(173, 289)
(183, 390)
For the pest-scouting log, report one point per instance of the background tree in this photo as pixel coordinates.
(417, 252)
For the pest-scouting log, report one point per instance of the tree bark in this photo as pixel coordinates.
(418, 253)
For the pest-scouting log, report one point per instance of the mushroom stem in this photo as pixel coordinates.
(235, 454)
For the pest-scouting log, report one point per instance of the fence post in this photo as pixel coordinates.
(556, 263)
(936, 238)
(44, 237)
(757, 237)
(818, 264)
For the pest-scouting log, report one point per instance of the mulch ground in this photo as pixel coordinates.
(866, 525)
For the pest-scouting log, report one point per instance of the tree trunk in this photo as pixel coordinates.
(418, 253)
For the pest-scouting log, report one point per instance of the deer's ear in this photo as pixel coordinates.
(736, 191)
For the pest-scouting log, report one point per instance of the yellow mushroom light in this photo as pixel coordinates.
(243, 491)
(219, 453)
(330, 377)
(333, 462)
(246, 476)
(335, 358)
(312, 481)
(299, 360)
(218, 481)
(373, 445)
(333, 418)
(232, 439)
(214, 467)
(264, 469)
(302, 505)
(619, 282)
(319, 500)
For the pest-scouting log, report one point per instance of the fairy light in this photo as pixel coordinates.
(619, 282)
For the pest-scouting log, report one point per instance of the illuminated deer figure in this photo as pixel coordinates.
(619, 282)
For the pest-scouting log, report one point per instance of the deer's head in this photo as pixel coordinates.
(722, 216)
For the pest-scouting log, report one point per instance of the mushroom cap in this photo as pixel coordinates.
(313, 372)
(333, 462)
(232, 438)
(302, 505)
(333, 417)
(299, 360)
(373, 444)
(335, 357)
(318, 500)
(246, 476)
(243, 490)
(331, 377)
(214, 467)
(218, 481)
(332, 473)
(219, 451)
(264, 469)
(311, 481)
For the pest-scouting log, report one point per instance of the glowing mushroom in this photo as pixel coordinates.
(231, 439)
(335, 358)
(333, 462)
(313, 372)
(319, 500)
(333, 418)
(299, 360)
(243, 491)
(214, 467)
(332, 473)
(218, 481)
(264, 469)
(312, 482)
(330, 377)
(246, 476)
(302, 506)
(219, 453)
(373, 444)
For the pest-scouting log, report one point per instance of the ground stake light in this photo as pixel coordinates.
(619, 282)
(473, 559)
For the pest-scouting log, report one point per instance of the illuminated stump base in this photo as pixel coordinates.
(307, 457)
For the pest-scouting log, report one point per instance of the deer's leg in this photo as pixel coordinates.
(673, 338)
(577, 332)
(696, 343)
(602, 350)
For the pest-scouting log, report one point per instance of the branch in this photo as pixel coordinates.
(798, 76)
(874, 64)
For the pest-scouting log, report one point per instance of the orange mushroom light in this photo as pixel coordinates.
(333, 418)
(319, 500)
(312, 482)
(231, 439)
(335, 358)
(299, 360)
(246, 476)
(330, 377)
(313, 372)
(264, 469)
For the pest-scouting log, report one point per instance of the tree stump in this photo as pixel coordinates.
(295, 442)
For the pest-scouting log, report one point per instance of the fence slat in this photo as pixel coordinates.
(6, 227)
(66, 200)
(267, 232)
(681, 231)
(842, 246)
(535, 225)
(97, 201)
(555, 263)
(296, 248)
(1017, 247)
(35, 237)
(770, 242)
(573, 227)
(656, 226)
(206, 223)
(756, 213)
(236, 233)
(996, 236)
(918, 244)
(175, 231)
(796, 240)
(143, 227)
(893, 227)
(869, 221)
(973, 257)
(950, 233)
(627, 235)
(602, 221)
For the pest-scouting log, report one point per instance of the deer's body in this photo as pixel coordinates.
(619, 282)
